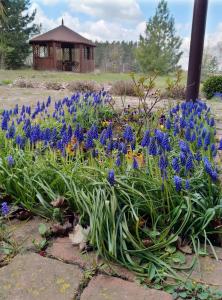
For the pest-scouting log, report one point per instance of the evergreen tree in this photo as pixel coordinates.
(159, 49)
(16, 30)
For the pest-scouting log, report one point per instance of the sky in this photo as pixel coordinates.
(111, 20)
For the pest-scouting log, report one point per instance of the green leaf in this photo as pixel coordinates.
(42, 229)
(179, 257)
(170, 249)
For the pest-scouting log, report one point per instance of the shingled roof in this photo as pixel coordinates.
(62, 34)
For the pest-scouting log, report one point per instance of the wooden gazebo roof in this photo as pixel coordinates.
(62, 34)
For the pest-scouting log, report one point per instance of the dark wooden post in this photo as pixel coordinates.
(196, 49)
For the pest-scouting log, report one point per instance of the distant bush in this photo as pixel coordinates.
(83, 86)
(123, 88)
(23, 83)
(212, 85)
(6, 81)
(50, 85)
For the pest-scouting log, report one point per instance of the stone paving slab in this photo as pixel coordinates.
(206, 270)
(63, 249)
(24, 232)
(104, 287)
(31, 276)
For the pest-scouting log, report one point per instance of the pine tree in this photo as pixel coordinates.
(16, 30)
(159, 49)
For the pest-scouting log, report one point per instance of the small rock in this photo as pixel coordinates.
(32, 276)
(104, 287)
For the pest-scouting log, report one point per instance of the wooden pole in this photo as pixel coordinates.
(196, 49)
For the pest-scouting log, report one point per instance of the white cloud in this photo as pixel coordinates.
(124, 10)
(50, 2)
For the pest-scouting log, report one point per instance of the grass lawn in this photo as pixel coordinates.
(10, 75)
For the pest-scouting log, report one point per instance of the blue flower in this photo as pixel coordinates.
(11, 132)
(95, 153)
(128, 134)
(189, 163)
(153, 147)
(78, 133)
(109, 132)
(103, 137)
(4, 208)
(4, 123)
(118, 161)
(198, 156)
(213, 150)
(184, 146)
(182, 123)
(187, 184)
(123, 148)
(159, 136)
(135, 164)
(220, 145)
(146, 139)
(111, 177)
(89, 142)
(176, 165)
(183, 158)
(199, 142)
(193, 137)
(188, 134)
(178, 183)
(168, 124)
(10, 160)
(212, 122)
(209, 169)
(163, 163)
(207, 139)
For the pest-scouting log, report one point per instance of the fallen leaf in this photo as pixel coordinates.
(79, 236)
(61, 230)
(185, 249)
(58, 202)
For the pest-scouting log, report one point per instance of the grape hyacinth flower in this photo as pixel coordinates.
(220, 145)
(209, 169)
(189, 163)
(199, 142)
(146, 139)
(128, 134)
(109, 132)
(187, 184)
(11, 161)
(168, 124)
(178, 183)
(4, 208)
(118, 161)
(111, 177)
(135, 164)
(176, 165)
(152, 147)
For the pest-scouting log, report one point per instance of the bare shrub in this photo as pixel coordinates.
(23, 83)
(123, 88)
(51, 85)
(83, 86)
(174, 88)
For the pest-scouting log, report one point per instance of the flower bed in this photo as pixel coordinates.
(145, 192)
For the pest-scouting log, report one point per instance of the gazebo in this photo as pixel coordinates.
(63, 49)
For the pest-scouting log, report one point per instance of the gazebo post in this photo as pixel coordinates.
(196, 49)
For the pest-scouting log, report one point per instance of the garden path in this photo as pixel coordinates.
(62, 272)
